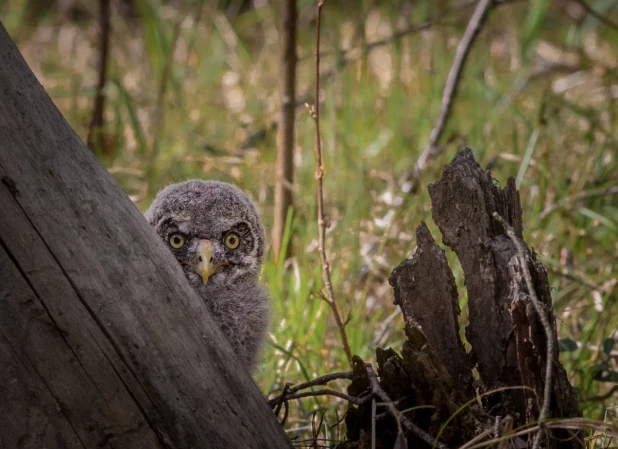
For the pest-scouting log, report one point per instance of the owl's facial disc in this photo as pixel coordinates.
(207, 262)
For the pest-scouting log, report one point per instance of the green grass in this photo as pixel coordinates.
(187, 88)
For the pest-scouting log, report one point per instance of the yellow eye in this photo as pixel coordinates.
(177, 240)
(232, 240)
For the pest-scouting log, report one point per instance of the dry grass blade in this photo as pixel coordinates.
(569, 423)
(408, 425)
(476, 439)
(507, 425)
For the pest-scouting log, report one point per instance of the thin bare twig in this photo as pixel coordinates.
(549, 335)
(408, 425)
(452, 82)
(345, 58)
(373, 423)
(506, 429)
(601, 397)
(384, 327)
(578, 196)
(286, 413)
(352, 55)
(326, 278)
(288, 389)
(597, 15)
(577, 277)
(278, 401)
(327, 392)
(316, 431)
(322, 380)
(94, 138)
(291, 392)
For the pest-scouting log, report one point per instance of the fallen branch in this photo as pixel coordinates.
(452, 82)
(597, 15)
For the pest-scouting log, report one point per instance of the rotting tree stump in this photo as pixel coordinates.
(103, 343)
(506, 336)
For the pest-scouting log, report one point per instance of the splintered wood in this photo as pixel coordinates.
(433, 375)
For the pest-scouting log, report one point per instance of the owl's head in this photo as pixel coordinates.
(213, 230)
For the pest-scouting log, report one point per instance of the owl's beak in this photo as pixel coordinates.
(206, 264)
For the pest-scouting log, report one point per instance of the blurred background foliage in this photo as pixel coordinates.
(192, 90)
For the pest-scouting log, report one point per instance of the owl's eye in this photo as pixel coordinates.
(177, 240)
(232, 240)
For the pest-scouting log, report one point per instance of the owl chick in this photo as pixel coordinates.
(215, 233)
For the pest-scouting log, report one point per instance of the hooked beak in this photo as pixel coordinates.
(206, 264)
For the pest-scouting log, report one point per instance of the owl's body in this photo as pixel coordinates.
(215, 233)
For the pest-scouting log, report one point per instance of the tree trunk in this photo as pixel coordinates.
(103, 343)
(97, 135)
(285, 131)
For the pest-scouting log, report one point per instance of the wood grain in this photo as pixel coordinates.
(425, 290)
(103, 342)
(462, 205)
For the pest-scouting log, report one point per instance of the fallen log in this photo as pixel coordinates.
(103, 343)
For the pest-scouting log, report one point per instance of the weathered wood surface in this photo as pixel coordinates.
(426, 292)
(103, 344)
(462, 204)
(507, 338)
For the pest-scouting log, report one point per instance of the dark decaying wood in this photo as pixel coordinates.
(103, 344)
(462, 205)
(507, 338)
(426, 292)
